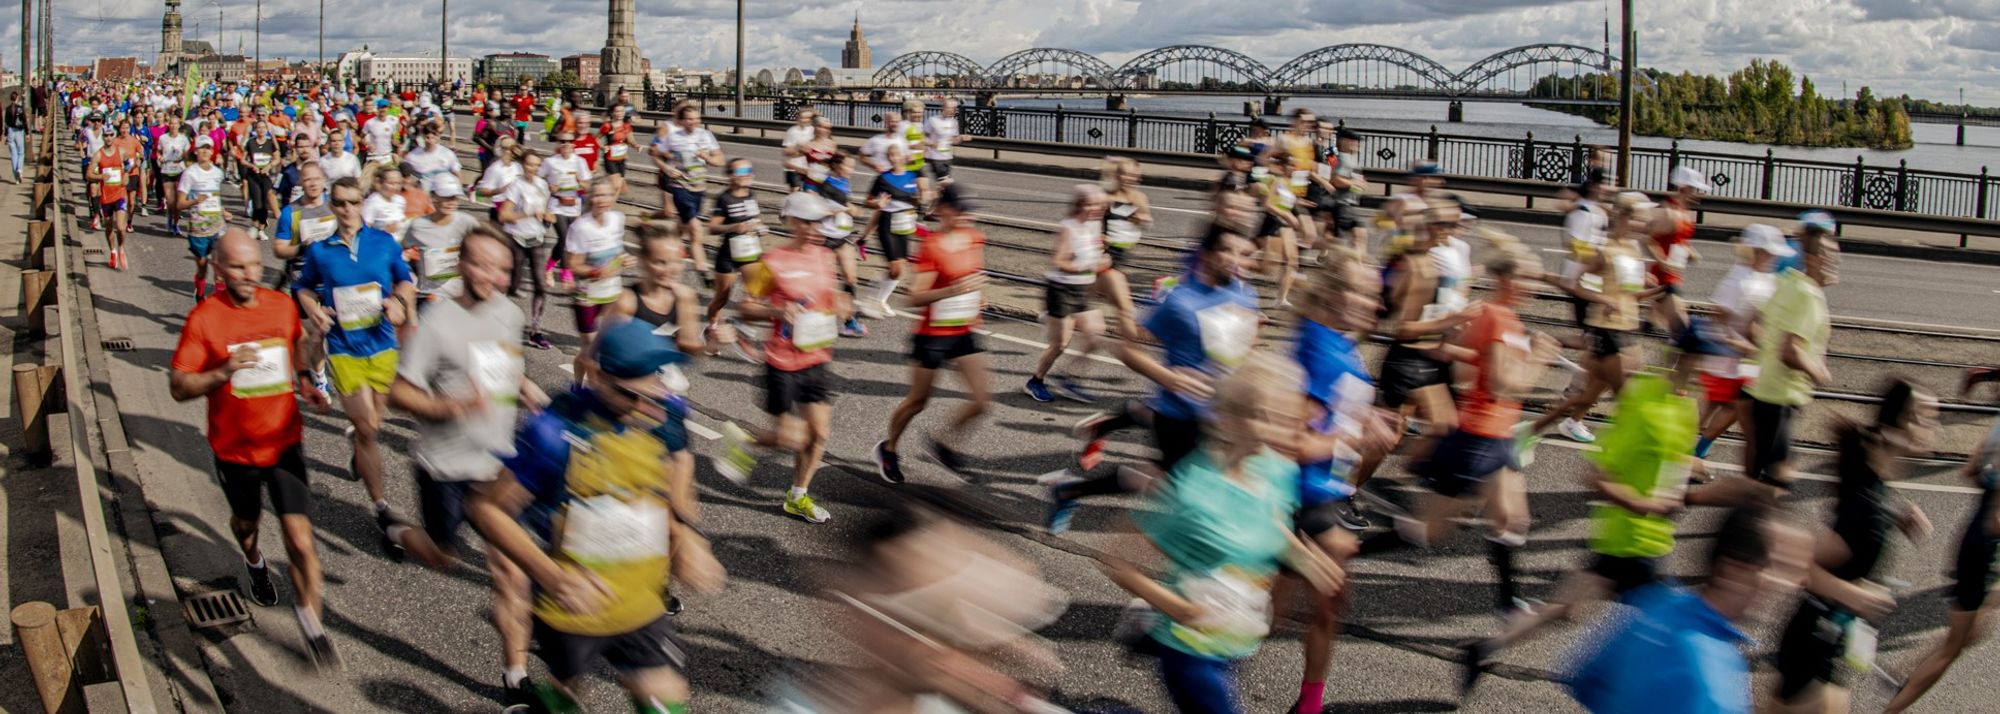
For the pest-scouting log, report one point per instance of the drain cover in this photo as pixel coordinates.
(118, 344)
(215, 609)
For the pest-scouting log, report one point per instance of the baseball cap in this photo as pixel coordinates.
(1818, 220)
(806, 207)
(1426, 167)
(447, 186)
(1242, 152)
(204, 140)
(381, 102)
(1346, 134)
(1761, 237)
(1687, 176)
(630, 350)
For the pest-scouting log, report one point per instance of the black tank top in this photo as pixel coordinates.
(1861, 512)
(646, 314)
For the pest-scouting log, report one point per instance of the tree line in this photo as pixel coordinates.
(1763, 103)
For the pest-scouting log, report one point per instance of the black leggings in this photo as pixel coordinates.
(529, 261)
(258, 185)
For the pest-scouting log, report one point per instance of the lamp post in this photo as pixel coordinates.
(739, 58)
(1625, 100)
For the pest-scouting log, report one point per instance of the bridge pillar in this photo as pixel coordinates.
(1117, 103)
(1455, 113)
(1961, 130)
(986, 100)
(1274, 105)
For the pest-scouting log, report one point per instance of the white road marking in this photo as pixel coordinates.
(1803, 476)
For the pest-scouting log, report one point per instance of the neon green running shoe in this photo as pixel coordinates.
(805, 509)
(737, 462)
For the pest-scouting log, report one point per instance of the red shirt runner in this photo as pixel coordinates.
(249, 423)
(956, 315)
(802, 277)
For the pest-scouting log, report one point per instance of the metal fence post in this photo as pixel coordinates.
(1059, 122)
(1770, 173)
(1673, 158)
(850, 111)
(1431, 144)
(1527, 157)
(1131, 128)
(1576, 159)
(1980, 209)
(1856, 191)
(1903, 185)
(1208, 143)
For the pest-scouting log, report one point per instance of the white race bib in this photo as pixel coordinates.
(1235, 612)
(260, 160)
(903, 223)
(1228, 332)
(171, 168)
(943, 152)
(568, 182)
(1746, 369)
(496, 369)
(113, 177)
(616, 152)
(1591, 282)
(441, 264)
(1301, 178)
(1861, 639)
(272, 374)
(1677, 256)
(814, 331)
(604, 291)
(816, 172)
(957, 310)
(358, 307)
(1631, 273)
(604, 531)
(314, 230)
(746, 247)
(1121, 233)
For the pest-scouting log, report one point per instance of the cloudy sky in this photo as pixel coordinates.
(1920, 47)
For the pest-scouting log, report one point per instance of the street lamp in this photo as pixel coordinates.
(739, 59)
(1625, 100)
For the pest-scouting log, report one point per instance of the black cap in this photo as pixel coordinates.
(1347, 134)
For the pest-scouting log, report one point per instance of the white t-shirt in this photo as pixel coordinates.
(798, 135)
(431, 163)
(381, 132)
(567, 177)
(384, 213)
(530, 196)
(173, 154)
(338, 167)
(1453, 260)
(1586, 223)
(678, 142)
(944, 131)
(593, 238)
(1086, 245)
(208, 183)
(1743, 292)
(498, 175)
(876, 149)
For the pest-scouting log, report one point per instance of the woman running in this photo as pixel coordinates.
(1612, 284)
(173, 149)
(895, 197)
(1125, 219)
(1280, 227)
(950, 275)
(1738, 299)
(595, 248)
(737, 220)
(1077, 260)
(834, 183)
(523, 207)
(1968, 618)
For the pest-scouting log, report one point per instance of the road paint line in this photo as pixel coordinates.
(1800, 475)
(1026, 342)
(702, 431)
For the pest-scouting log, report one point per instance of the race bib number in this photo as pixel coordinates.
(943, 152)
(1631, 273)
(1286, 200)
(1591, 282)
(358, 307)
(814, 331)
(1235, 612)
(113, 177)
(816, 172)
(903, 223)
(1301, 179)
(1861, 639)
(172, 168)
(1448, 302)
(616, 152)
(1228, 332)
(1677, 256)
(1121, 233)
(441, 264)
(957, 310)
(568, 183)
(604, 291)
(260, 160)
(746, 247)
(1088, 255)
(314, 230)
(604, 531)
(1747, 369)
(272, 374)
(496, 369)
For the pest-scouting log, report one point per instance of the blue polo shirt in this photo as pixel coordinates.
(1176, 321)
(1669, 653)
(1333, 370)
(330, 265)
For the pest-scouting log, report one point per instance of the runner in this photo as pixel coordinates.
(359, 272)
(431, 159)
(683, 152)
(1738, 299)
(381, 131)
(339, 160)
(1968, 617)
(301, 223)
(462, 377)
(242, 351)
(523, 208)
(258, 155)
(1298, 143)
(1791, 358)
(200, 191)
(1672, 247)
(109, 169)
(941, 133)
(1221, 558)
(438, 240)
(386, 208)
(1205, 326)
(875, 151)
(567, 174)
(1829, 644)
(134, 147)
(798, 137)
(736, 218)
(173, 149)
(833, 181)
(616, 138)
(1077, 258)
(950, 273)
(793, 287)
(660, 299)
(1337, 185)
(524, 110)
(597, 461)
(1128, 214)
(896, 196)
(496, 176)
(595, 245)
(487, 134)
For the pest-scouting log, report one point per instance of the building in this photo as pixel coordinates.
(114, 68)
(347, 67)
(585, 67)
(844, 77)
(170, 38)
(510, 68)
(401, 70)
(222, 68)
(72, 70)
(856, 55)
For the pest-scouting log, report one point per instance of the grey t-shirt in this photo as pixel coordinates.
(437, 250)
(453, 351)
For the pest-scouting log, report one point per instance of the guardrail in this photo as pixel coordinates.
(1826, 184)
(68, 649)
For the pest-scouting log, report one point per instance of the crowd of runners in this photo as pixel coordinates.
(412, 284)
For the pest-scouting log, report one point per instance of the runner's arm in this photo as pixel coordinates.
(1125, 574)
(1793, 353)
(687, 309)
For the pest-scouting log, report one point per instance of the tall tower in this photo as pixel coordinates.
(619, 64)
(170, 39)
(855, 55)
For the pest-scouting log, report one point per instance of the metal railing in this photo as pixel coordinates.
(1882, 187)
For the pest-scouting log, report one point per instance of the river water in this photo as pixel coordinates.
(1935, 143)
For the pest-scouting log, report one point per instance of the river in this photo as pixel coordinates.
(1935, 148)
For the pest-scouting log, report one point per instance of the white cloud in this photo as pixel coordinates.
(1922, 47)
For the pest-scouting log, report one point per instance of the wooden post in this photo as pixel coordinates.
(39, 232)
(37, 291)
(41, 644)
(32, 384)
(87, 643)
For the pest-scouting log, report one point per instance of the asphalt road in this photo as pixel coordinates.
(418, 641)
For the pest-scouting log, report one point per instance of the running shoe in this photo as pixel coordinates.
(1522, 607)
(876, 309)
(888, 465)
(1091, 454)
(737, 462)
(1348, 513)
(321, 383)
(1472, 663)
(804, 508)
(1062, 509)
(1074, 392)
(324, 657)
(1039, 390)
(262, 591)
(540, 341)
(1576, 431)
(951, 460)
(674, 606)
(853, 328)
(519, 698)
(1525, 441)
(390, 547)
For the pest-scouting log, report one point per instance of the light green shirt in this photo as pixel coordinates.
(1646, 450)
(1797, 307)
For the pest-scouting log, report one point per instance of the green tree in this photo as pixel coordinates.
(561, 79)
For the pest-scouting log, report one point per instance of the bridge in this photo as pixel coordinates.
(1541, 73)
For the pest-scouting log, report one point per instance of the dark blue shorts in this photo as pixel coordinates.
(687, 204)
(1462, 461)
(199, 247)
(1197, 685)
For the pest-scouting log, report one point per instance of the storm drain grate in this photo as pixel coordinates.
(216, 609)
(118, 344)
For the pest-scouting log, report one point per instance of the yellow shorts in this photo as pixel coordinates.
(351, 374)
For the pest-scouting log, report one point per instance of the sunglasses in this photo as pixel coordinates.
(344, 202)
(743, 171)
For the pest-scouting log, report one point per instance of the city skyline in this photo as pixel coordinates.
(1918, 47)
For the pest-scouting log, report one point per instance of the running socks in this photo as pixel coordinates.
(1312, 698)
(1701, 447)
(885, 288)
(308, 623)
(514, 676)
(1501, 550)
(795, 492)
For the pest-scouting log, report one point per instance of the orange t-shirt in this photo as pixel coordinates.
(251, 421)
(1480, 412)
(804, 278)
(111, 175)
(950, 266)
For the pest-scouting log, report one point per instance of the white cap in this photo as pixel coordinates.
(1635, 201)
(1767, 239)
(1689, 177)
(447, 186)
(807, 206)
(204, 140)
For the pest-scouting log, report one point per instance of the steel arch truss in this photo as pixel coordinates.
(1251, 70)
(1080, 64)
(1293, 74)
(911, 65)
(1499, 63)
